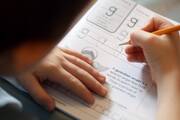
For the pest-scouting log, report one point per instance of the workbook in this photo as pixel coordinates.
(98, 35)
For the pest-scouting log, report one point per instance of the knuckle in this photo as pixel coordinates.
(62, 59)
(80, 72)
(84, 94)
(151, 39)
(85, 57)
(76, 60)
(72, 79)
(133, 36)
(63, 62)
(52, 67)
(93, 71)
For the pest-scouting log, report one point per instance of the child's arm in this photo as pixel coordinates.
(169, 97)
(69, 69)
(162, 54)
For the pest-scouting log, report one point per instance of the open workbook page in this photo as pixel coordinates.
(98, 35)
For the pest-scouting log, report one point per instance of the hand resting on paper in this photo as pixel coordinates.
(69, 69)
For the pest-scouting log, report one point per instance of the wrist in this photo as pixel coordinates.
(168, 85)
(168, 89)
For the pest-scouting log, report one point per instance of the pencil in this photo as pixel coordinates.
(160, 32)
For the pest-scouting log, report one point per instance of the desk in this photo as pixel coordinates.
(168, 8)
(30, 106)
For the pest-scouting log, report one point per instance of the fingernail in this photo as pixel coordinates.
(91, 101)
(104, 92)
(102, 78)
(90, 61)
(50, 106)
(90, 104)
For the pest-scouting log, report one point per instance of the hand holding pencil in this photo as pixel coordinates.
(144, 39)
(161, 52)
(161, 32)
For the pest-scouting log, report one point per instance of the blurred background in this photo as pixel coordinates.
(168, 8)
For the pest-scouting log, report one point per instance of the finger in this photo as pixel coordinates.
(83, 65)
(136, 58)
(143, 39)
(76, 54)
(157, 23)
(68, 81)
(132, 49)
(88, 80)
(31, 84)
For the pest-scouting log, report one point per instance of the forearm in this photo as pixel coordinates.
(169, 98)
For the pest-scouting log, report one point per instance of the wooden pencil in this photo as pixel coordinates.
(160, 32)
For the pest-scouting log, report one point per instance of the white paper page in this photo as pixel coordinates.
(98, 35)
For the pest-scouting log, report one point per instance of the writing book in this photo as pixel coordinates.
(98, 35)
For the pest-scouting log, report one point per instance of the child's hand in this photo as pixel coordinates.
(162, 53)
(69, 69)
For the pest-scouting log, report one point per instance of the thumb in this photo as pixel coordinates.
(157, 23)
(31, 84)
